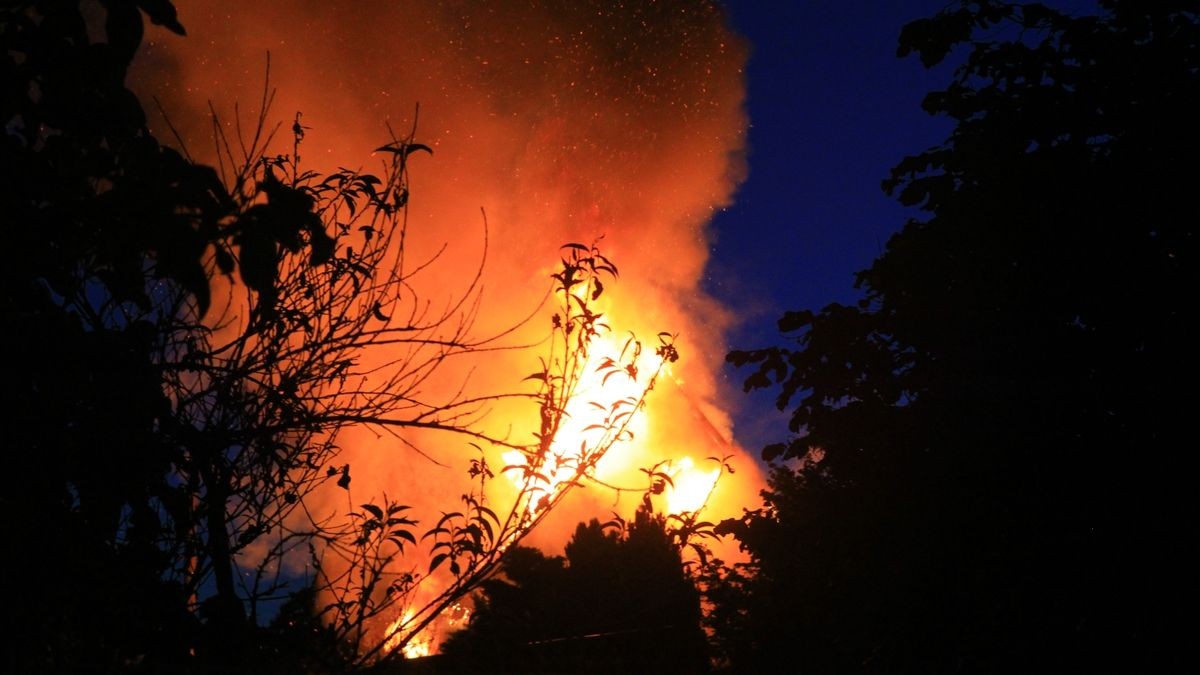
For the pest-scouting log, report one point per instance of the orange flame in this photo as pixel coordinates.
(583, 423)
(424, 644)
(415, 648)
(565, 121)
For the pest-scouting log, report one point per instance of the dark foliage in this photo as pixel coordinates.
(109, 241)
(618, 602)
(987, 452)
(86, 195)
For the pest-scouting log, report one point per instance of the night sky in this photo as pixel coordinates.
(832, 109)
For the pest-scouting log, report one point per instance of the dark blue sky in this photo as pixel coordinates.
(832, 109)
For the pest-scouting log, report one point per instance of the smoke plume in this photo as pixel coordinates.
(564, 121)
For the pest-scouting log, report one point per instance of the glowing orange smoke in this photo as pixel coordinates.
(565, 122)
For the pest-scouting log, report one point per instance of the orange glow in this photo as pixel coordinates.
(546, 116)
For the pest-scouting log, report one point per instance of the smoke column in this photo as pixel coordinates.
(564, 121)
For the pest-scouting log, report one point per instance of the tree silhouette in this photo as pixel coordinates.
(617, 602)
(985, 467)
(160, 430)
(100, 215)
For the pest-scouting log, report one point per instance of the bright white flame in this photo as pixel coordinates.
(691, 486)
(590, 406)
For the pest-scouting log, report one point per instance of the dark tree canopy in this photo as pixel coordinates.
(987, 450)
(87, 194)
(617, 602)
(132, 463)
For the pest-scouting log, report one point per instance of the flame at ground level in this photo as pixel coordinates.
(423, 644)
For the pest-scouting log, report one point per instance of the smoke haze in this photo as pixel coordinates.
(565, 121)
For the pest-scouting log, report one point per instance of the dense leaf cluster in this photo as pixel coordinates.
(617, 602)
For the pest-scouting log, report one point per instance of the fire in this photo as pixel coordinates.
(562, 137)
(691, 486)
(423, 644)
(419, 646)
(581, 430)
(393, 630)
